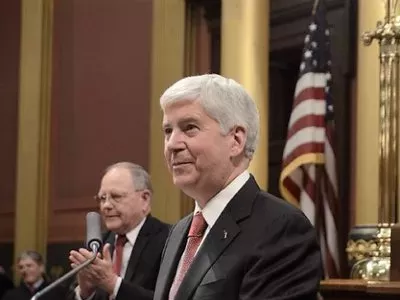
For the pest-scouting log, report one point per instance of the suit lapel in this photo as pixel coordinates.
(221, 235)
(111, 240)
(173, 252)
(140, 243)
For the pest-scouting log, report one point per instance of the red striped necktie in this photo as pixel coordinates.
(196, 232)
(119, 247)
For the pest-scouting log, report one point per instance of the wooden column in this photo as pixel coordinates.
(32, 186)
(367, 115)
(168, 66)
(244, 57)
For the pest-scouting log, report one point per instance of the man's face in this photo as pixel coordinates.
(30, 270)
(121, 205)
(197, 153)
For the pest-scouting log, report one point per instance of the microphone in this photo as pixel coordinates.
(93, 232)
(93, 242)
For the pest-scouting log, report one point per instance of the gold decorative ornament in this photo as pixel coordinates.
(370, 259)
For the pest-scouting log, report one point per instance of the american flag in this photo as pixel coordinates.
(308, 178)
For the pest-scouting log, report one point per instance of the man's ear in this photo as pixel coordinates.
(146, 195)
(239, 140)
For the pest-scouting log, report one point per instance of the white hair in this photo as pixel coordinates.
(141, 179)
(223, 99)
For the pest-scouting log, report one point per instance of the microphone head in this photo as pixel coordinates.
(93, 231)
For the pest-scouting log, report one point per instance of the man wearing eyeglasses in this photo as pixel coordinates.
(134, 242)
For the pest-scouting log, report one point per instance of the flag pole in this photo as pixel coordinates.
(319, 219)
(315, 6)
(319, 210)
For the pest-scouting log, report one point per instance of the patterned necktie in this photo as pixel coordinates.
(196, 232)
(119, 247)
(31, 289)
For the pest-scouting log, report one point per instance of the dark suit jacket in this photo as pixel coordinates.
(23, 293)
(261, 247)
(141, 274)
(5, 284)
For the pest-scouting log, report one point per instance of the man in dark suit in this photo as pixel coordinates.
(240, 242)
(131, 256)
(31, 267)
(5, 282)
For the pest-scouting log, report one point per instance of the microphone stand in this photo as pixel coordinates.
(64, 277)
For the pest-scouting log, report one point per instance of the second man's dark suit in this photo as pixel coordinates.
(259, 248)
(141, 274)
(22, 292)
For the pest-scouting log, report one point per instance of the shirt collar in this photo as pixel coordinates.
(217, 204)
(132, 235)
(38, 283)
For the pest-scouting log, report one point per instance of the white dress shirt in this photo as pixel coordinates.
(216, 205)
(38, 283)
(126, 254)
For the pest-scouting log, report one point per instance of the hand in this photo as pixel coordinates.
(98, 274)
(107, 279)
(85, 281)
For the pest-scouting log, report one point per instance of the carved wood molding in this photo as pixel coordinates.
(212, 11)
(285, 11)
(212, 14)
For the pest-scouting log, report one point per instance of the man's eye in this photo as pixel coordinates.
(167, 131)
(116, 196)
(190, 127)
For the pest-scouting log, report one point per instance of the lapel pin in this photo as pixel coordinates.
(225, 234)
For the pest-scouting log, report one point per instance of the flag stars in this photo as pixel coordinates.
(328, 76)
(330, 108)
(314, 44)
(312, 27)
(308, 54)
(314, 62)
(302, 66)
(327, 32)
(307, 39)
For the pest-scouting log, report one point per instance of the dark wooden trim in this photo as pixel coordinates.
(212, 13)
(285, 11)
(346, 289)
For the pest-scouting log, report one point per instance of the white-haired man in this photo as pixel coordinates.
(240, 242)
(133, 243)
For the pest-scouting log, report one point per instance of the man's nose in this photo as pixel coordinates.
(106, 203)
(175, 141)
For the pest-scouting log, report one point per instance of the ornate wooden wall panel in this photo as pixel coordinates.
(9, 83)
(101, 77)
(9, 60)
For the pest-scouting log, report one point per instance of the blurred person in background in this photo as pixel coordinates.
(31, 268)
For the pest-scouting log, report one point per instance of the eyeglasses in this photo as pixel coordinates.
(114, 198)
